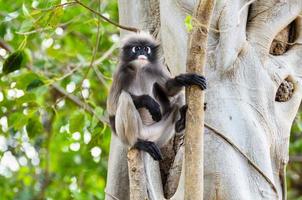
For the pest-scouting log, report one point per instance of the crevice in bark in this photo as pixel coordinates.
(284, 39)
(285, 90)
(170, 169)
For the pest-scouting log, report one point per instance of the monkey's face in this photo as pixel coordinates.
(140, 52)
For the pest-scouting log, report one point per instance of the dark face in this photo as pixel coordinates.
(141, 50)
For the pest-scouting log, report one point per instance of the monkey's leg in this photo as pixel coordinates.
(146, 101)
(180, 125)
(129, 125)
(174, 85)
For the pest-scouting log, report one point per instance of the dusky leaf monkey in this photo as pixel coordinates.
(146, 106)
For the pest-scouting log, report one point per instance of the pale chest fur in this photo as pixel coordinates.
(143, 84)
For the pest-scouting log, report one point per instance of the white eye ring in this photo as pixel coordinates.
(148, 50)
(133, 49)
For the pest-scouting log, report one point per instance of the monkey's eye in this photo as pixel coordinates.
(135, 49)
(148, 50)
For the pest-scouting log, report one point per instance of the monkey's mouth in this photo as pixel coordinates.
(142, 57)
(142, 60)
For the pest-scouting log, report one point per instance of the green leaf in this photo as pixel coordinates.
(98, 112)
(25, 10)
(49, 19)
(24, 79)
(14, 62)
(77, 122)
(56, 17)
(34, 84)
(188, 23)
(34, 126)
(17, 120)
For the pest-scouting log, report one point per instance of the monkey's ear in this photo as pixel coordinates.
(156, 47)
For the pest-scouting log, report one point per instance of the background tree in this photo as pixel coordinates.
(52, 145)
(254, 93)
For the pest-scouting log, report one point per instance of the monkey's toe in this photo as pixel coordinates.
(149, 147)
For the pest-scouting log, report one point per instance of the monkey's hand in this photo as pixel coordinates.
(149, 147)
(191, 79)
(145, 101)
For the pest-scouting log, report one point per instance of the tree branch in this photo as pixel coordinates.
(5, 46)
(195, 99)
(78, 102)
(128, 28)
(295, 158)
(138, 180)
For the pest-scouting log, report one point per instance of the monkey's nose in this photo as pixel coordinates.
(142, 57)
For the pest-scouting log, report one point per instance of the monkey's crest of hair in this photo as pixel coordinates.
(138, 37)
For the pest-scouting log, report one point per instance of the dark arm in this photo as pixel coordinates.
(146, 101)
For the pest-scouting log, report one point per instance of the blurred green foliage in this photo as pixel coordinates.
(294, 169)
(50, 147)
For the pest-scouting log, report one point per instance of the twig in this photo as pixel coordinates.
(295, 158)
(250, 161)
(95, 49)
(57, 6)
(100, 60)
(5, 46)
(78, 102)
(128, 28)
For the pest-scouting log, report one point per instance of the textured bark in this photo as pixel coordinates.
(195, 99)
(137, 184)
(243, 81)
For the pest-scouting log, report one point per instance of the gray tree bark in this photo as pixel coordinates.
(244, 78)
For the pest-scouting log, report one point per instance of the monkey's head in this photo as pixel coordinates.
(140, 48)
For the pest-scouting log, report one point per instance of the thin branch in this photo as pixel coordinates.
(95, 49)
(128, 28)
(58, 6)
(250, 161)
(78, 102)
(295, 158)
(5, 46)
(194, 132)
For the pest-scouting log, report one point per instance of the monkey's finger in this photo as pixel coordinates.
(199, 81)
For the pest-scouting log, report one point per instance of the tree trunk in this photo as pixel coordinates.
(245, 79)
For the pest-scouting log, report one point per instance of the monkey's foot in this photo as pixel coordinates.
(149, 147)
(192, 79)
